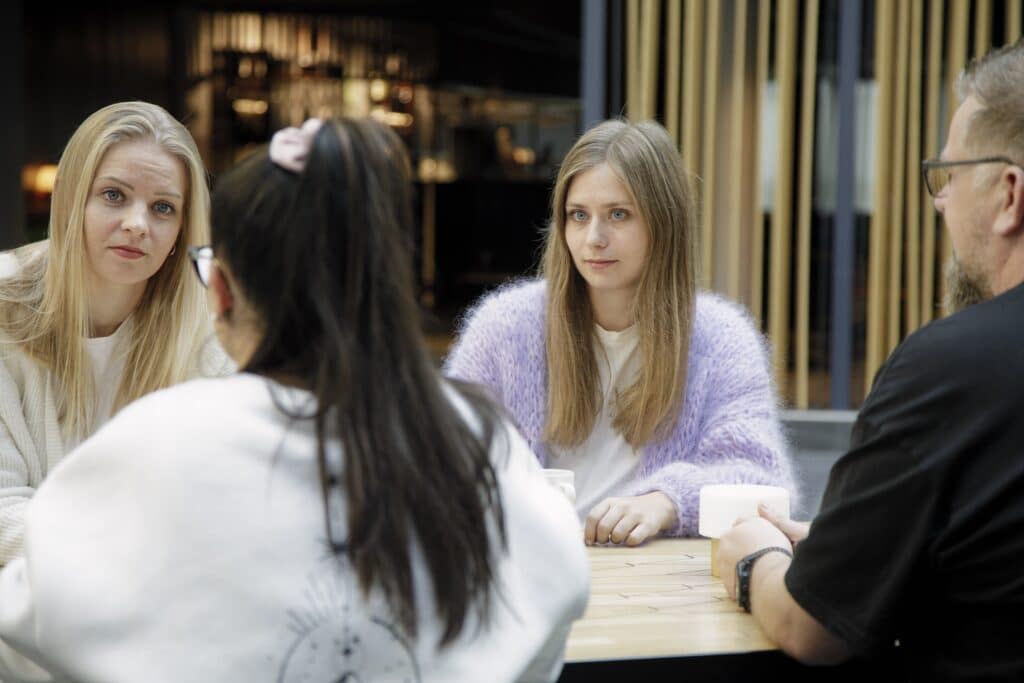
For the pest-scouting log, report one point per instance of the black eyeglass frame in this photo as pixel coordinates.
(933, 164)
(201, 253)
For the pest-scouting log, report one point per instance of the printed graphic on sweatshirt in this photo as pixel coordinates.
(337, 639)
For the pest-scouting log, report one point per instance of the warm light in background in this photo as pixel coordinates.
(254, 107)
(378, 89)
(39, 178)
(524, 155)
(436, 170)
(397, 119)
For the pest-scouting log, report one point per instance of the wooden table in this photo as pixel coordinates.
(657, 614)
(659, 600)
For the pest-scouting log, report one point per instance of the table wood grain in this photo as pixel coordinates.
(659, 600)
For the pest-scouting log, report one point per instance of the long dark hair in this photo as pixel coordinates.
(323, 257)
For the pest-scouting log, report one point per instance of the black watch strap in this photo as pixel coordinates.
(745, 567)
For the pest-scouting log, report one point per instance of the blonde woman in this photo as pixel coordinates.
(612, 364)
(105, 310)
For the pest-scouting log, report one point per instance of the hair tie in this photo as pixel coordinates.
(289, 148)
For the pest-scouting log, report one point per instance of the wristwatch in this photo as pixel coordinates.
(745, 567)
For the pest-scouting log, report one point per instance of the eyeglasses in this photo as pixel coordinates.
(937, 175)
(202, 260)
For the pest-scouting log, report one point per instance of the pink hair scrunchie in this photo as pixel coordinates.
(289, 148)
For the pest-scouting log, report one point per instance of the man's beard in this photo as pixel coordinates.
(963, 288)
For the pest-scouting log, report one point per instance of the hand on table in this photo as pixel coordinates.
(795, 531)
(629, 520)
(745, 536)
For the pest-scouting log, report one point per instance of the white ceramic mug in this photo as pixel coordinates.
(564, 481)
(723, 504)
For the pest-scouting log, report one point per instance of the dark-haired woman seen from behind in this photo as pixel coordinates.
(335, 511)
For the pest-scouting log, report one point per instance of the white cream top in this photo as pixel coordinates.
(605, 463)
(108, 356)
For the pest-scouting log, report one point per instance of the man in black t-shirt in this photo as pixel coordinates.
(919, 546)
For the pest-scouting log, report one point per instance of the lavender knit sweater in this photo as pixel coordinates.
(728, 431)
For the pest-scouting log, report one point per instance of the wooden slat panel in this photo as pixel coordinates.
(899, 162)
(738, 137)
(650, 29)
(710, 158)
(982, 27)
(805, 181)
(1014, 20)
(956, 56)
(885, 21)
(912, 308)
(764, 17)
(693, 46)
(931, 149)
(673, 68)
(633, 78)
(787, 35)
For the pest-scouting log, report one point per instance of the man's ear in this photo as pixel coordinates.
(223, 298)
(1010, 193)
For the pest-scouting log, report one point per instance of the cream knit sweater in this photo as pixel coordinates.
(31, 441)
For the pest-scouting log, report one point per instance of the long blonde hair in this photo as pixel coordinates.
(44, 307)
(647, 163)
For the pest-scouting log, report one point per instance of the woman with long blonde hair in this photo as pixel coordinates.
(612, 363)
(104, 310)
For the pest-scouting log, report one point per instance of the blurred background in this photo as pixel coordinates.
(805, 121)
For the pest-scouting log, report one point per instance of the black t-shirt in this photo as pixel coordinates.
(920, 538)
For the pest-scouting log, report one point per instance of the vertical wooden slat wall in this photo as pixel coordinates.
(805, 185)
(1013, 20)
(710, 89)
(897, 222)
(786, 34)
(674, 20)
(693, 49)
(982, 26)
(956, 58)
(739, 135)
(885, 20)
(650, 29)
(931, 149)
(912, 304)
(713, 12)
(764, 18)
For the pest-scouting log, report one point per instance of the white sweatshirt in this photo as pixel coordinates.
(185, 541)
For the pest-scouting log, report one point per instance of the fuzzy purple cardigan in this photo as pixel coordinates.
(728, 431)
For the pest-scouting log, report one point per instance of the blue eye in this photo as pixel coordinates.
(619, 215)
(112, 195)
(578, 215)
(164, 209)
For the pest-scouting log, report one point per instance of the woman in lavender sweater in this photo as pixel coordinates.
(612, 364)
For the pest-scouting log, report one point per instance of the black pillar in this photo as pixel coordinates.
(12, 125)
(593, 65)
(843, 243)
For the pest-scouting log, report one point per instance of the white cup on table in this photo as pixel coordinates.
(722, 504)
(564, 481)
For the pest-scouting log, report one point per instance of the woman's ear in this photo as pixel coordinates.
(223, 297)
